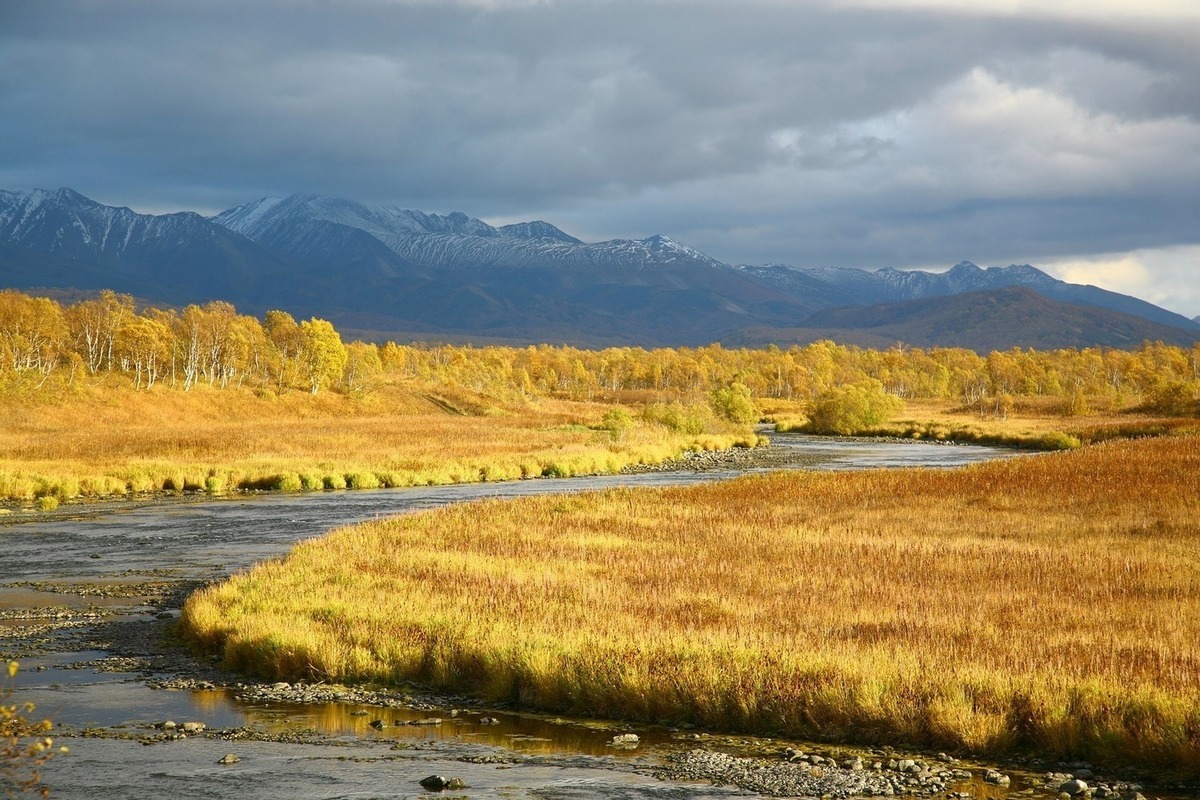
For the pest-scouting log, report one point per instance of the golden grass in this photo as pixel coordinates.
(1050, 603)
(112, 441)
(1031, 424)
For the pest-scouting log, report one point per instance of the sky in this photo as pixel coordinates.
(855, 133)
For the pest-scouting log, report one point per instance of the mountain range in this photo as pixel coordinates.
(382, 272)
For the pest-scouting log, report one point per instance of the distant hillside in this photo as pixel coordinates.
(387, 272)
(998, 319)
(835, 287)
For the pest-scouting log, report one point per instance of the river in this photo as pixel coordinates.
(63, 566)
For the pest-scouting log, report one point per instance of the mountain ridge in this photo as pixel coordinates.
(385, 268)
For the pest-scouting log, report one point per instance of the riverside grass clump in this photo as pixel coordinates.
(112, 441)
(1046, 604)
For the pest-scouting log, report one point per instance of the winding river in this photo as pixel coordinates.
(52, 564)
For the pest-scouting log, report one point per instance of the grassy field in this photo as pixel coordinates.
(112, 441)
(1047, 604)
(1032, 423)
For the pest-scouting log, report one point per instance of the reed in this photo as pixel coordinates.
(1048, 604)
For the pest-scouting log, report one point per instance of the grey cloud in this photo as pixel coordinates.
(762, 131)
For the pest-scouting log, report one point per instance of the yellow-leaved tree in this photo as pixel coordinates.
(322, 353)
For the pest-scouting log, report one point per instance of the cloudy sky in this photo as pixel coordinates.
(861, 133)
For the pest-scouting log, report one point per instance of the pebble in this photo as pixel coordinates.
(1073, 787)
(801, 775)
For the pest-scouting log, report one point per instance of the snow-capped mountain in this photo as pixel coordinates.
(451, 242)
(389, 272)
(182, 256)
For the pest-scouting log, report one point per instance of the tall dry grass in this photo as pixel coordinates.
(1050, 603)
(113, 441)
(1033, 423)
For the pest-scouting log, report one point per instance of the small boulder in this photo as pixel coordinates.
(229, 758)
(488, 721)
(193, 727)
(1074, 787)
(436, 783)
(625, 740)
(377, 724)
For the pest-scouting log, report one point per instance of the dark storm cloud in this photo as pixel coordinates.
(762, 131)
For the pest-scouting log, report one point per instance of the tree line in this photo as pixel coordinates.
(214, 345)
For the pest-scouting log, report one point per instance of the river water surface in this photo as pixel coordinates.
(62, 563)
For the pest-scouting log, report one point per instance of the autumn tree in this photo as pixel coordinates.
(145, 343)
(32, 330)
(323, 355)
(94, 326)
(363, 366)
(288, 342)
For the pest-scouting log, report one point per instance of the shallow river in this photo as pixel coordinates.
(203, 540)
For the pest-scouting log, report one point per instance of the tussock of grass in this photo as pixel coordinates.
(1050, 604)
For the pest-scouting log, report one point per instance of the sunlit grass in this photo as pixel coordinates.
(112, 441)
(1050, 603)
(1031, 424)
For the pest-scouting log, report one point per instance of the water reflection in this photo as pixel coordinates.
(527, 733)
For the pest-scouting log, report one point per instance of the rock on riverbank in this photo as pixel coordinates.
(801, 775)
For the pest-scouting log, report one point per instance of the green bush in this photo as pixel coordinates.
(288, 482)
(311, 482)
(734, 403)
(688, 419)
(46, 502)
(617, 420)
(849, 409)
(1057, 440)
(362, 480)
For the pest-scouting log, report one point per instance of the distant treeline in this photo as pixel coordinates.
(42, 341)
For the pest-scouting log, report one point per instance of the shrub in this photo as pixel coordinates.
(734, 403)
(46, 502)
(617, 421)
(311, 482)
(849, 409)
(690, 419)
(1057, 440)
(288, 482)
(362, 480)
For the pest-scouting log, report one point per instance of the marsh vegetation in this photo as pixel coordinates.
(1047, 604)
